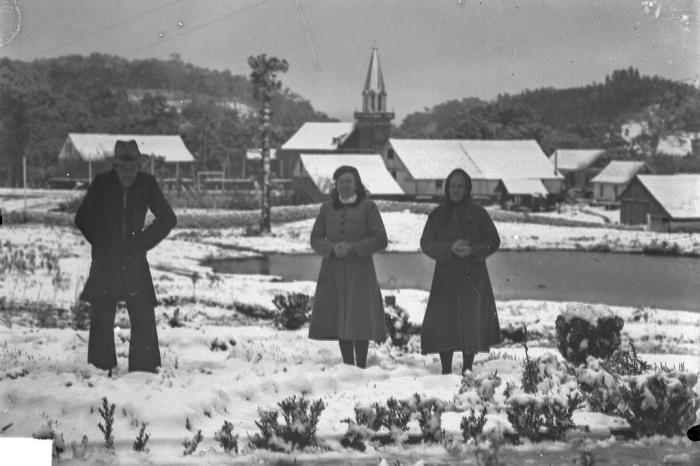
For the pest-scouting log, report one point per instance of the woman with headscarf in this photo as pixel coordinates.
(348, 303)
(461, 313)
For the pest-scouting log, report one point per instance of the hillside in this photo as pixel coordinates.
(213, 111)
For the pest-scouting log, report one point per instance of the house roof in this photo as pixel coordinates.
(319, 136)
(575, 159)
(522, 186)
(428, 159)
(679, 194)
(98, 147)
(373, 172)
(675, 145)
(618, 172)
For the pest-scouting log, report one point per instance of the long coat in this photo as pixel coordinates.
(101, 218)
(348, 303)
(461, 312)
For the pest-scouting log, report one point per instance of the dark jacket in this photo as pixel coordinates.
(461, 311)
(121, 258)
(348, 302)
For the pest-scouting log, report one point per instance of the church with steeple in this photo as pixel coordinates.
(367, 135)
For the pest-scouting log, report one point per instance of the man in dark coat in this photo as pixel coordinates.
(112, 217)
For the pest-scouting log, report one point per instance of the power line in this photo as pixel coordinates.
(110, 27)
(201, 26)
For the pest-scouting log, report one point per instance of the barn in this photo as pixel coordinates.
(578, 166)
(614, 178)
(662, 202)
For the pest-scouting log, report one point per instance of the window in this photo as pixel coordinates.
(615, 191)
(390, 154)
(438, 184)
(393, 173)
(600, 191)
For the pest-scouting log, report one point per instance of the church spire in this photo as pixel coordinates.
(374, 93)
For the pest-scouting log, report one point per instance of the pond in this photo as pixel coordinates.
(612, 278)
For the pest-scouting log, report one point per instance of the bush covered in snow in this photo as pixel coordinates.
(226, 438)
(397, 324)
(625, 362)
(600, 388)
(542, 416)
(429, 414)
(472, 426)
(294, 310)
(584, 330)
(660, 403)
(484, 384)
(48, 432)
(301, 419)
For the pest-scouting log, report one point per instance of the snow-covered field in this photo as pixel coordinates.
(44, 376)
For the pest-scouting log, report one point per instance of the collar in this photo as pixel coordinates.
(350, 200)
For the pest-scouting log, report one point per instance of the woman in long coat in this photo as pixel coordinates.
(461, 314)
(348, 303)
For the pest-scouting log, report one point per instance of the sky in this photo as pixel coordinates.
(430, 51)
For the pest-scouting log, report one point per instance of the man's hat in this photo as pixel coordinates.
(127, 151)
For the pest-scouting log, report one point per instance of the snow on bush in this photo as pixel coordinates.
(397, 324)
(542, 416)
(294, 310)
(48, 432)
(584, 330)
(226, 438)
(301, 420)
(484, 384)
(429, 414)
(600, 388)
(660, 403)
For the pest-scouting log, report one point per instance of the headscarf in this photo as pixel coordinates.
(359, 187)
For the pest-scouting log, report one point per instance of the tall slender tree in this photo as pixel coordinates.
(265, 84)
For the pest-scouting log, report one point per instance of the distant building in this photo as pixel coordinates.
(578, 165)
(316, 172)
(663, 202)
(368, 134)
(83, 155)
(614, 178)
(633, 129)
(420, 166)
(675, 145)
(522, 193)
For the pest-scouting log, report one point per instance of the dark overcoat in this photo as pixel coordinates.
(348, 303)
(118, 253)
(461, 312)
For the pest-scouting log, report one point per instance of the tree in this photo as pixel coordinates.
(265, 84)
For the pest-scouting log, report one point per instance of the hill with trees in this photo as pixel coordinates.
(213, 111)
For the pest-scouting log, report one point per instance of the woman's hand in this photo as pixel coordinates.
(461, 248)
(341, 249)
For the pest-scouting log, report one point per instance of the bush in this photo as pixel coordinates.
(660, 403)
(301, 419)
(600, 388)
(107, 414)
(192, 444)
(540, 417)
(48, 432)
(218, 345)
(141, 439)
(625, 362)
(587, 330)
(226, 438)
(397, 324)
(429, 413)
(295, 310)
(484, 384)
(81, 315)
(472, 426)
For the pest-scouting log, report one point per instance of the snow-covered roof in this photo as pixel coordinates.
(575, 159)
(319, 136)
(428, 159)
(679, 194)
(522, 186)
(675, 145)
(255, 154)
(98, 147)
(373, 172)
(618, 172)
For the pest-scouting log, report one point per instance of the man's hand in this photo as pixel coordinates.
(341, 249)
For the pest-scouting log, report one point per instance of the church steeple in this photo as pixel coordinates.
(373, 123)
(374, 93)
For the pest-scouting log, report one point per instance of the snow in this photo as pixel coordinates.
(44, 376)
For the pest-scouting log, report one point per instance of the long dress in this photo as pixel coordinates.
(461, 312)
(348, 303)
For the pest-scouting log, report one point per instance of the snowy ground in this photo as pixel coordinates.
(43, 374)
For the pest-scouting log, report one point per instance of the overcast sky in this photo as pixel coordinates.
(430, 51)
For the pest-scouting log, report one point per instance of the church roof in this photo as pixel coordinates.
(319, 136)
(375, 79)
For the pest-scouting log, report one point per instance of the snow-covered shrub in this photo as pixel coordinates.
(141, 439)
(80, 312)
(660, 403)
(584, 330)
(191, 444)
(48, 432)
(542, 416)
(301, 420)
(218, 345)
(79, 450)
(472, 426)
(625, 362)
(429, 414)
(397, 324)
(107, 414)
(600, 388)
(398, 413)
(484, 384)
(226, 438)
(294, 310)
(356, 436)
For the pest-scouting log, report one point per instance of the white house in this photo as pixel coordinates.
(614, 178)
(578, 165)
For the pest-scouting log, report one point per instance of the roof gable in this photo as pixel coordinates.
(97, 147)
(678, 195)
(319, 136)
(373, 172)
(618, 172)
